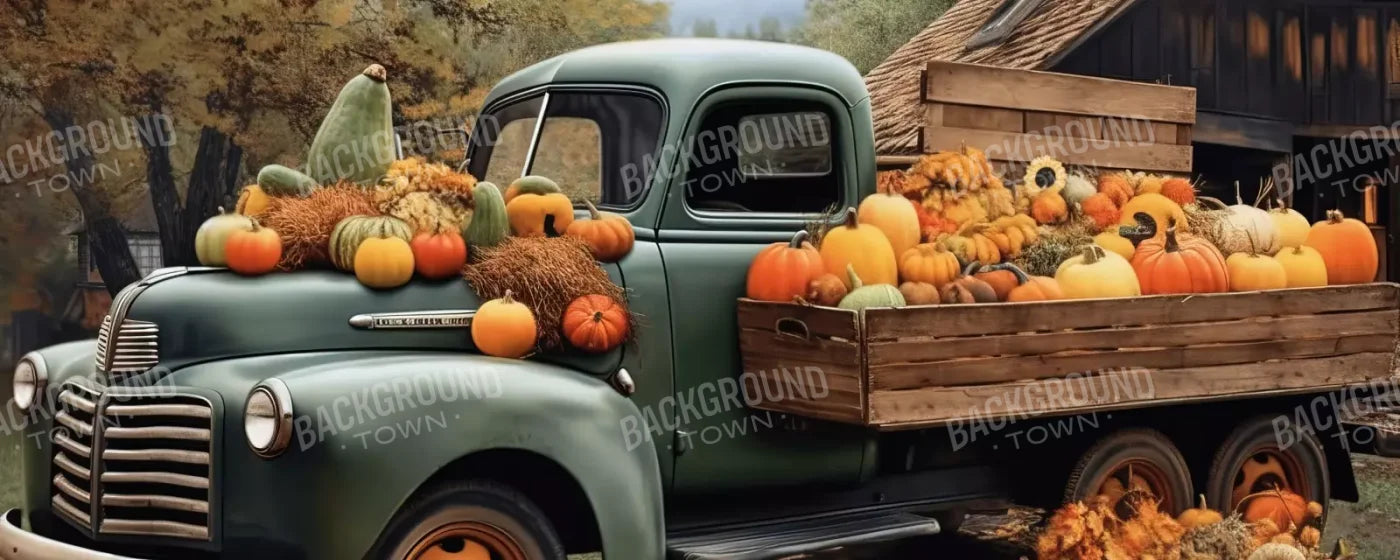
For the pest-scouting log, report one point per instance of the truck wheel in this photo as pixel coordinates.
(1132, 464)
(470, 521)
(1251, 460)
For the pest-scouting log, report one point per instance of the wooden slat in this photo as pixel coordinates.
(981, 118)
(821, 321)
(930, 349)
(941, 405)
(1010, 146)
(1010, 318)
(981, 371)
(971, 84)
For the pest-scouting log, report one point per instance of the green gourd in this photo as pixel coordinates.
(875, 295)
(277, 180)
(531, 184)
(489, 225)
(356, 139)
(354, 230)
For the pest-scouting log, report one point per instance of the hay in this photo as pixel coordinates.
(1055, 245)
(544, 273)
(1207, 218)
(305, 224)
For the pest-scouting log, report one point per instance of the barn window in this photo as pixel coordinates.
(1003, 21)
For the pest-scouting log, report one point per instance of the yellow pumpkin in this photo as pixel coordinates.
(1097, 273)
(896, 218)
(528, 214)
(504, 328)
(1303, 266)
(1254, 271)
(1290, 227)
(383, 263)
(252, 201)
(1199, 516)
(1161, 208)
(1115, 243)
(929, 263)
(861, 246)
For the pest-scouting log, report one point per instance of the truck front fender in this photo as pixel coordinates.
(376, 429)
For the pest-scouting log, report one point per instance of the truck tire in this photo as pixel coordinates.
(1251, 460)
(1135, 459)
(450, 518)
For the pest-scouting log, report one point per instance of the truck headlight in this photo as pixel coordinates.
(31, 376)
(267, 418)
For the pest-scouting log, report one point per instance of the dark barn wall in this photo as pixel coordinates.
(1313, 62)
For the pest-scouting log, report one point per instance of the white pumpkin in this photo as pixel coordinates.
(209, 240)
(1292, 226)
(1077, 189)
(1248, 229)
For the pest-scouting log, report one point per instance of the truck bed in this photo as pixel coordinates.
(918, 367)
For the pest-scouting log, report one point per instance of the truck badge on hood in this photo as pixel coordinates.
(441, 319)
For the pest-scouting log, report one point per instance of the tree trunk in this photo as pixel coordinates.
(110, 248)
(211, 185)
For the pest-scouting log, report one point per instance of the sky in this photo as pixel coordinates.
(733, 15)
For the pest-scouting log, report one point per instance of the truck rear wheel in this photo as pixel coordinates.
(478, 520)
(1132, 464)
(1251, 460)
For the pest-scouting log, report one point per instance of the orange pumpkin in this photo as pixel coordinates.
(827, 290)
(1049, 207)
(894, 216)
(1000, 278)
(1180, 264)
(1348, 248)
(504, 328)
(919, 293)
(1032, 288)
(861, 246)
(1284, 508)
(930, 263)
(253, 251)
(528, 214)
(782, 271)
(967, 289)
(384, 262)
(609, 236)
(439, 255)
(596, 323)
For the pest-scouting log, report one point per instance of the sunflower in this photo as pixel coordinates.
(1044, 172)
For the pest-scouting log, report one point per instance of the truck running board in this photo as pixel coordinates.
(800, 536)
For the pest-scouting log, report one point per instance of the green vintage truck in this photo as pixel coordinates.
(306, 416)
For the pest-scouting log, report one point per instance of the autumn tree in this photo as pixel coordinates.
(867, 31)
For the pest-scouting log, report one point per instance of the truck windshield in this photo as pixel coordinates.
(598, 145)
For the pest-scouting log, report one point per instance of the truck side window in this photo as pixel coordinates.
(503, 140)
(571, 153)
(772, 158)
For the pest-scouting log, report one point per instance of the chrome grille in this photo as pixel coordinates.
(153, 476)
(129, 350)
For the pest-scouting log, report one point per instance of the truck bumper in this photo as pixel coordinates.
(19, 544)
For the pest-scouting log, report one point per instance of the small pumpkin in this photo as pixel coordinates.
(350, 232)
(919, 293)
(252, 201)
(1348, 248)
(1032, 288)
(1101, 210)
(1254, 271)
(384, 262)
(863, 296)
(212, 236)
(1303, 266)
(504, 328)
(253, 251)
(489, 224)
(527, 214)
(1248, 229)
(1291, 226)
(439, 255)
(861, 246)
(609, 236)
(1000, 278)
(530, 184)
(1049, 207)
(1160, 208)
(1199, 516)
(1179, 190)
(782, 271)
(596, 323)
(1286, 509)
(967, 288)
(1180, 264)
(1115, 243)
(894, 216)
(1097, 273)
(826, 290)
(930, 263)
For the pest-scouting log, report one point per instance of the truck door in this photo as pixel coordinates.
(758, 164)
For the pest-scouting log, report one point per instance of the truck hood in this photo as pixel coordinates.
(209, 314)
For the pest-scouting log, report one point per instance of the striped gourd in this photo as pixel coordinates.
(354, 230)
(489, 225)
